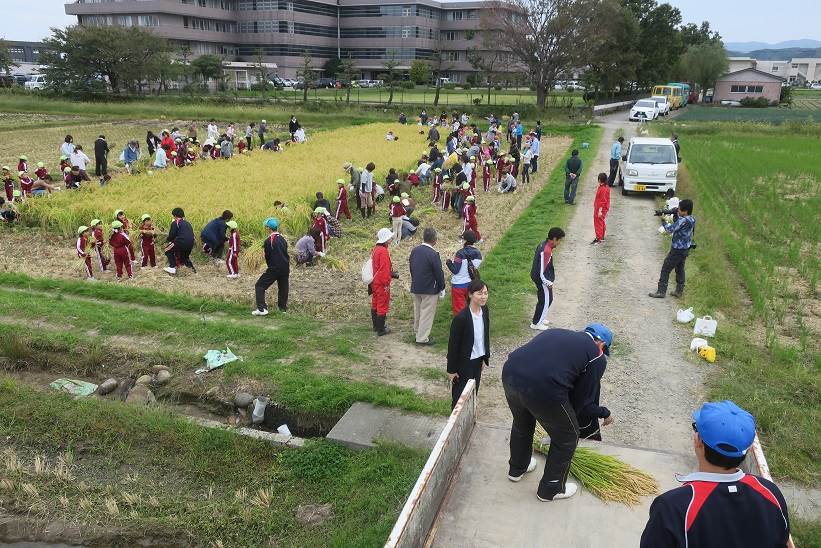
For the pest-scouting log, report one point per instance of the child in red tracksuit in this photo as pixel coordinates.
(487, 168)
(99, 242)
(501, 164)
(380, 286)
(41, 172)
(601, 205)
(119, 215)
(120, 243)
(321, 239)
(397, 215)
(82, 251)
(8, 183)
(232, 258)
(147, 235)
(437, 185)
(445, 193)
(342, 201)
(471, 222)
(26, 184)
(23, 164)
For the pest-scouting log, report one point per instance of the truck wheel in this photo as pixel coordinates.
(624, 192)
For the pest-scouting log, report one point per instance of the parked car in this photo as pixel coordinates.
(364, 83)
(816, 86)
(37, 81)
(662, 103)
(277, 82)
(650, 165)
(325, 83)
(377, 83)
(644, 109)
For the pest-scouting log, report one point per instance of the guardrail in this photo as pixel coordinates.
(611, 107)
(422, 506)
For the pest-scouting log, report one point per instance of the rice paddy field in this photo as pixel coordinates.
(247, 184)
(774, 115)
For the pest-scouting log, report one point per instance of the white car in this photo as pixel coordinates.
(649, 165)
(662, 103)
(816, 85)
(644, 109)
(37, 81)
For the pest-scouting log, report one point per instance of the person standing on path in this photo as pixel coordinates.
(601, 205)
(538, 379)
(572, 171)
(535, 149)
(465, 269)
(279, 268)
(544, 275)
(469, 342)
(380, 286)
(615, 158)
(720, 505)
(682, 229)
(427, 285)
(101, 156)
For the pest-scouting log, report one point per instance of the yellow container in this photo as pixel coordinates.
(708, 353)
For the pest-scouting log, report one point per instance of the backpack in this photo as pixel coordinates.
(473, 272)
(367, 271)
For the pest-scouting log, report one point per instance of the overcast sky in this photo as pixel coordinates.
(752, 20)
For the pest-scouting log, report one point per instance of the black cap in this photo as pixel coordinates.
(469, 237)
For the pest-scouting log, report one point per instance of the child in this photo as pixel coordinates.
(64, 163)
(526, 157)
(215, 152)
(120, 243)
(397, 214)
(471, 222)
(8, 212)
(232, 259)
(99, 241)
(342, 201)
(41, 172)
(80, 160)
(437, 184)
(501, 166)
(147, 234)
(23, 164)
(306, 248)
(601, 205)
(26, 184)
(321, 240)
(119, 215)
(390, 136)
(75, 177)
(445, 192)
(82, 250)
(487, 169)
(8, 183)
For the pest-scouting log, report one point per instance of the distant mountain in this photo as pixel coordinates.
(746, 47)
(784, 54)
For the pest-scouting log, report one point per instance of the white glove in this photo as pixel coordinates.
(548, 284)
(442, 294)
(661, 230)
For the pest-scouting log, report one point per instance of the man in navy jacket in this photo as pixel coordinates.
(427, 285)
(213, 235)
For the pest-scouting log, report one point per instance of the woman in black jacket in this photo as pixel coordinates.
(469, 343)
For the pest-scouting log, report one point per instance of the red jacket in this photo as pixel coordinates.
(233, 242)
(602, 200)
(343, 195)
(82, 245)
(99, 237)
(22, 165)
(322, 225)
(42, 173)
(397, 210)
(118, 242)
(168, 145)
(382, 266)
(469, 212)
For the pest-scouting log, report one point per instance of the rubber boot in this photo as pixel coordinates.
(659, 294)
(678, 292)
(362, 211)
(383, 329)
(374, 320)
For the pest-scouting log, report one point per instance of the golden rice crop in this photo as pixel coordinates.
(248, 185)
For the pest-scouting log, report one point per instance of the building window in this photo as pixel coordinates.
(775, 68)
(124, 20)
(452, 55)
(746, 89)
(148, 21)
(794, 65)
(450, 35)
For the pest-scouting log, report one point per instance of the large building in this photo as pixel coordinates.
(370, 32)
(798, 71)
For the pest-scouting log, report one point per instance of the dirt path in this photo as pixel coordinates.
(651, 383)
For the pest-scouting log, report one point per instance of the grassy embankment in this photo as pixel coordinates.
(506, 269)
(756, 191)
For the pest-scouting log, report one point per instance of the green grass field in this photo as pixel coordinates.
(756, 190)
(773, 115)
(806, 99)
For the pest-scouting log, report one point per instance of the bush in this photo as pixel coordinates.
(755, 102)
(466, 86)
(497, 87)
(477, 101)
(449, 85)
(406, 84)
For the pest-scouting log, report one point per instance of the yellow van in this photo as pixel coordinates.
(673, 94)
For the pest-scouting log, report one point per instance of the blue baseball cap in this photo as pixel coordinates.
(602, 333)
(725, 427)
(272, 223)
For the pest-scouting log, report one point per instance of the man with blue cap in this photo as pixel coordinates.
(279, 268)
(540, 379)
(720, 505)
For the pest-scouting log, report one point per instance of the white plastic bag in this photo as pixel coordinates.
(258, 414)
(367, 271)
(284, 430)
(685, 316)
(705, 326)
(696, 344)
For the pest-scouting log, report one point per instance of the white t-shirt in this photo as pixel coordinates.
(423, 168)
(478, 335)
(79, 159)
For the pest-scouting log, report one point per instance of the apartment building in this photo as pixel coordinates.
(370, 32)
(798, 71)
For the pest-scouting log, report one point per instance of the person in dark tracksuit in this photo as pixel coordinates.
(544, 275)
(213, 235)
(539, 379)
(279, 268)
(179, 243)
(469, 342)
(682, 229)
(572, 172)
(585, 400)
(101, 156)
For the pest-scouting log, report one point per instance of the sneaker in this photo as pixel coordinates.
(233, 276)
(91, 279)
(170, 270)
(530, 467)
(570, 489)
(539, 327)
(546, 322)
(656, 295)
(596, 241)
(258, 312)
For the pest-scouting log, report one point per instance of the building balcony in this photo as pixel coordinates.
(142, 7)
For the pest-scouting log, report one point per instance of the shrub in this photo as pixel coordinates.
(449, 85)
(497, 87)
(755, 102)
(406, 84)
(477, 101)
(466, 86)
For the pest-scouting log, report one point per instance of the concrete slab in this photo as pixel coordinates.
(363, 424)
(484, 509)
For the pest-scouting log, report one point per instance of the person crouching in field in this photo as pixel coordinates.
(306, 248)
(99, 243)
(119, 243)
(82, 251)
(232, 259)
(601, 205)
(147, 235)
(180, 242)
(321, 225)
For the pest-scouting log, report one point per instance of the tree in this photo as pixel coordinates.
(544, 37)
(331, 66)
(438, 65)
(390, 75)
(306, 74)
(704, 63)
(487, 59)
(420, 72)
(613, 55)
(6, 62)
(659, 40)
(346, 71)
(210, 67)
(75, 57)
(261, 71)
(692, 34)
(185, 63)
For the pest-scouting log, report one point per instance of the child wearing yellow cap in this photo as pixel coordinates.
(147, 235)
(82, 251)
